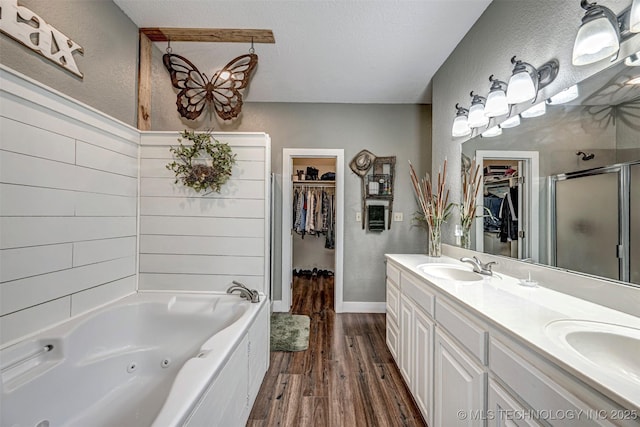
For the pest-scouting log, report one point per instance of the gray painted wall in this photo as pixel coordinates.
(385, 130)
(109, 63)
(535, 31)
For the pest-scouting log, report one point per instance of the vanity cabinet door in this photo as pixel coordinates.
(459, 389)
(406, 340)
(423, 366)
(504, 410)
(393, 308)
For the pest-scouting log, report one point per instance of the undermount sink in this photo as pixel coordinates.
(450, 272)
(612, 348)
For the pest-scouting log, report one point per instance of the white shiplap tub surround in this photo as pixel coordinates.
(90, 214)
(68, 207)
(201, 242)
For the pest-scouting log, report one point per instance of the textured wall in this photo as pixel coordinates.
(109, 63)
(535, 31)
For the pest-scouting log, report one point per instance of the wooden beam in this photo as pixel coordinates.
(220, 35)
(144, 83)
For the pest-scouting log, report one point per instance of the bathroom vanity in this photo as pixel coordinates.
(476, 350)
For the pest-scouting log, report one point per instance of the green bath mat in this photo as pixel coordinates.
(289, 332)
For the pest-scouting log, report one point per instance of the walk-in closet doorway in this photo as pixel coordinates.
(297, 155)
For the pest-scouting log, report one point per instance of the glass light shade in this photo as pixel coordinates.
(521, 88)
(511, 122)
(634, 81)
(497, 104)
(634, 17)
(476, 116)
(491, 132)
(596, 40)
(537, 110)
(460, 127)
(569, 94)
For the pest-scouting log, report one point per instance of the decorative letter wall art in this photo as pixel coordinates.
(31, 30)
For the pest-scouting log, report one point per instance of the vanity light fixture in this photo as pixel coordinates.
(634, 17)
(567, 95)
(461, 123)
(477, 117)
(526, 80)
(633, 60)
(537, 110)
(496, 104)
(511, 122)
(598, 36)
(491, 132)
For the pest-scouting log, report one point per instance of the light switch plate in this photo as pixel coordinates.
(398, 217)
(358, 216)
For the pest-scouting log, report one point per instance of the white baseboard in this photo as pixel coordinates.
(363, 307)
(278, 307)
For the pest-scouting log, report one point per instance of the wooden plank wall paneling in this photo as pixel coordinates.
(68, 206)
(201, 242)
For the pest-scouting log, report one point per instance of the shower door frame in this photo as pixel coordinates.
(624, 232)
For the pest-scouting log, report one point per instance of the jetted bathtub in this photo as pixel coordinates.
(150, 359)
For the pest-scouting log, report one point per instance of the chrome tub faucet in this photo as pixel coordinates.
(479, 266)
(249, 294)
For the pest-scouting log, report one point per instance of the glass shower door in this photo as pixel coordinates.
(588, 223)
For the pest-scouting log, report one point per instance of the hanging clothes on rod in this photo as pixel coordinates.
(313, 211)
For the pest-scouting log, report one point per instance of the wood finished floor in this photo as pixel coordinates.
(346, 377)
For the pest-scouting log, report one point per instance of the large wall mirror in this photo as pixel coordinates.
(563, 188)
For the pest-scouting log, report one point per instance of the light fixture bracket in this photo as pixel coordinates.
(461, 111)
(477, 99)
(497, 84)
(547, 73)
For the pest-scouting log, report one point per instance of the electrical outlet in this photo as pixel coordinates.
(398, 217)
(358, 216)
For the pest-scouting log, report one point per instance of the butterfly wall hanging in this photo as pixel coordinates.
(221, 92)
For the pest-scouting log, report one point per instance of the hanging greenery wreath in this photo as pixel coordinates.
(203, 165)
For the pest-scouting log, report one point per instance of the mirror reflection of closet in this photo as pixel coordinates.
(313, 245)
(502, 202)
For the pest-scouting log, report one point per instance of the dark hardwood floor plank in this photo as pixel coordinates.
(346, 377)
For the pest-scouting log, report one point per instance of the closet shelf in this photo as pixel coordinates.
(314, 183)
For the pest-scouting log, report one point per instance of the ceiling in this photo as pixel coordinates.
(337, 51)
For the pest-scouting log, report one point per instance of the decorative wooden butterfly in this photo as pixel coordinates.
(222, 91)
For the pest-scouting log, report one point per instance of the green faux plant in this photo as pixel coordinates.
(204, 165)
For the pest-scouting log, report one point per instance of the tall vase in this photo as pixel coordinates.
(435, 241)
(465, 239)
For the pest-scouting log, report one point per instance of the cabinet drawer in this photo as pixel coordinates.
(393, 273)
(547, 396)
(468, 333)
(393, 301)
(415, 289)
(504, 410)
(393, 340)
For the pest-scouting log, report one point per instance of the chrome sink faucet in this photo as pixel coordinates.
(249, 294)
(479, 266)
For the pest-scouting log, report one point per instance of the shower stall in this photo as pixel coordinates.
(595, 221)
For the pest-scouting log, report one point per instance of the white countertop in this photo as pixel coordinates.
(525, 312)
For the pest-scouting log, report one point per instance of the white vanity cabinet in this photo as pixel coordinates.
(460, 371)
(413, 350)
(464, 368)
(550, 394)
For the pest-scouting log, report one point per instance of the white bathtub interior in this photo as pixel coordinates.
(116, 366)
